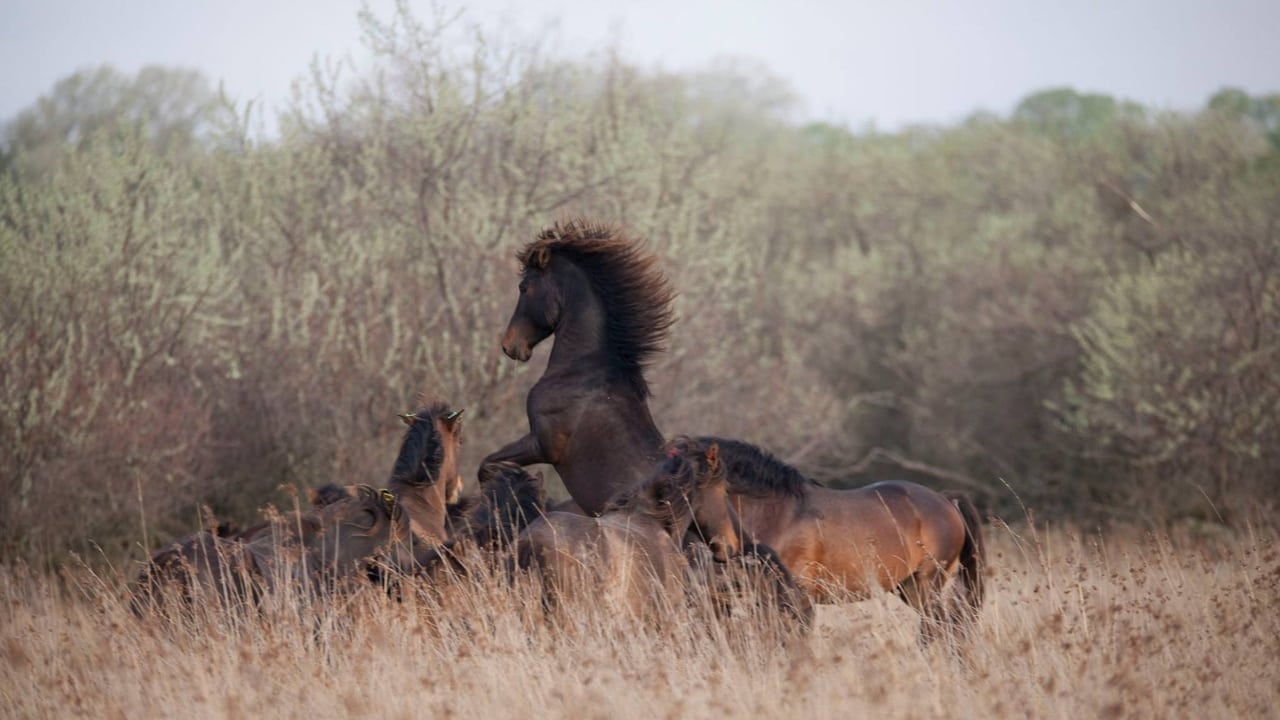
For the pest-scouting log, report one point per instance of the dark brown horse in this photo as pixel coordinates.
(629, 558)
(896, 536)
(605, 299)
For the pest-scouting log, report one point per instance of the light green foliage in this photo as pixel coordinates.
(1079, 301)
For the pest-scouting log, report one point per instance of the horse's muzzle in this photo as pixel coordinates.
(721, 551)
(517, 351)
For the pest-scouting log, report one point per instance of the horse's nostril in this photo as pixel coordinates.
(511, 348)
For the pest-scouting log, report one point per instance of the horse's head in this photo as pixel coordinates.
(327, 494)
(690, 485)
(429, 451)
(538, 308)
(339, 540)
(713, 517)
(367, 525)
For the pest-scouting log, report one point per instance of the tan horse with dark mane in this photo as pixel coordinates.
(509, 500)
(893, 536)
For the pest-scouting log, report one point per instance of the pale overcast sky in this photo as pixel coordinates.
(890, 62)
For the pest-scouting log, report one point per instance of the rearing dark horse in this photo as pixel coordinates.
(605, 299)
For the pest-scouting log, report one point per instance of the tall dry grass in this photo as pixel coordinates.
(1074, 626)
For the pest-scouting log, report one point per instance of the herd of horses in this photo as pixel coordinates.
(646, 512)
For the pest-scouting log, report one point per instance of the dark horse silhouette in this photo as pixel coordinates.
(605, 299)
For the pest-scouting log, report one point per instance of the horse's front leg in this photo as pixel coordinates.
(525, 451)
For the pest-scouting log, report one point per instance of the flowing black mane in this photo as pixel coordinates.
(628, 280)
(751, 470)
(421, 452)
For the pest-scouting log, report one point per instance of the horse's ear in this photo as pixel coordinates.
(713, 457)
(408, 418)
(540, 258)
(453, 418)
(313, 496)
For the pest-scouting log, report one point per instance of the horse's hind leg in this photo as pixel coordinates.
(925, 594)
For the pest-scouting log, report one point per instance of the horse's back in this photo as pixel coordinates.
(201, 565)
(614, 561)
(557, 541)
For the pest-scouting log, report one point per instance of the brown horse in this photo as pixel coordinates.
(630, 555)
(605, 299)
(424, 476)
(310, 550)
(896, 536)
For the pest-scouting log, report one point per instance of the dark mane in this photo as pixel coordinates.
(627, 278)
(752, 470)
(421, 449)
(510, 498)
(680, 476)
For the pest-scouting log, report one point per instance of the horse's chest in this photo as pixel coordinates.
(553, 418)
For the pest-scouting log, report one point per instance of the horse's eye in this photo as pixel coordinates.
(366, 518)
(524, 287)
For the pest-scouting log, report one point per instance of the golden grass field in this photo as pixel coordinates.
(1074, 626)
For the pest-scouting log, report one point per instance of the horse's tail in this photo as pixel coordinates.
(973, 557)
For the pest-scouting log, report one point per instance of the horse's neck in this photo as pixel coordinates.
(763, 519)
(425, 507)
(582, 335)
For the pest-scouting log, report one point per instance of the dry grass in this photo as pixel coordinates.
(1127, 625)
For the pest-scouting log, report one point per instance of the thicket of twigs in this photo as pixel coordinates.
(1080, 302)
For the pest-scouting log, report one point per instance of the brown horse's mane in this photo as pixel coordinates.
(752, 470)
(627, 278)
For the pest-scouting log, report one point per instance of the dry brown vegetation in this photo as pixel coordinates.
(1130, 625)
(1080, 301)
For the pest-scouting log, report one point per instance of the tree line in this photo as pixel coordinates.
(1073, 308)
